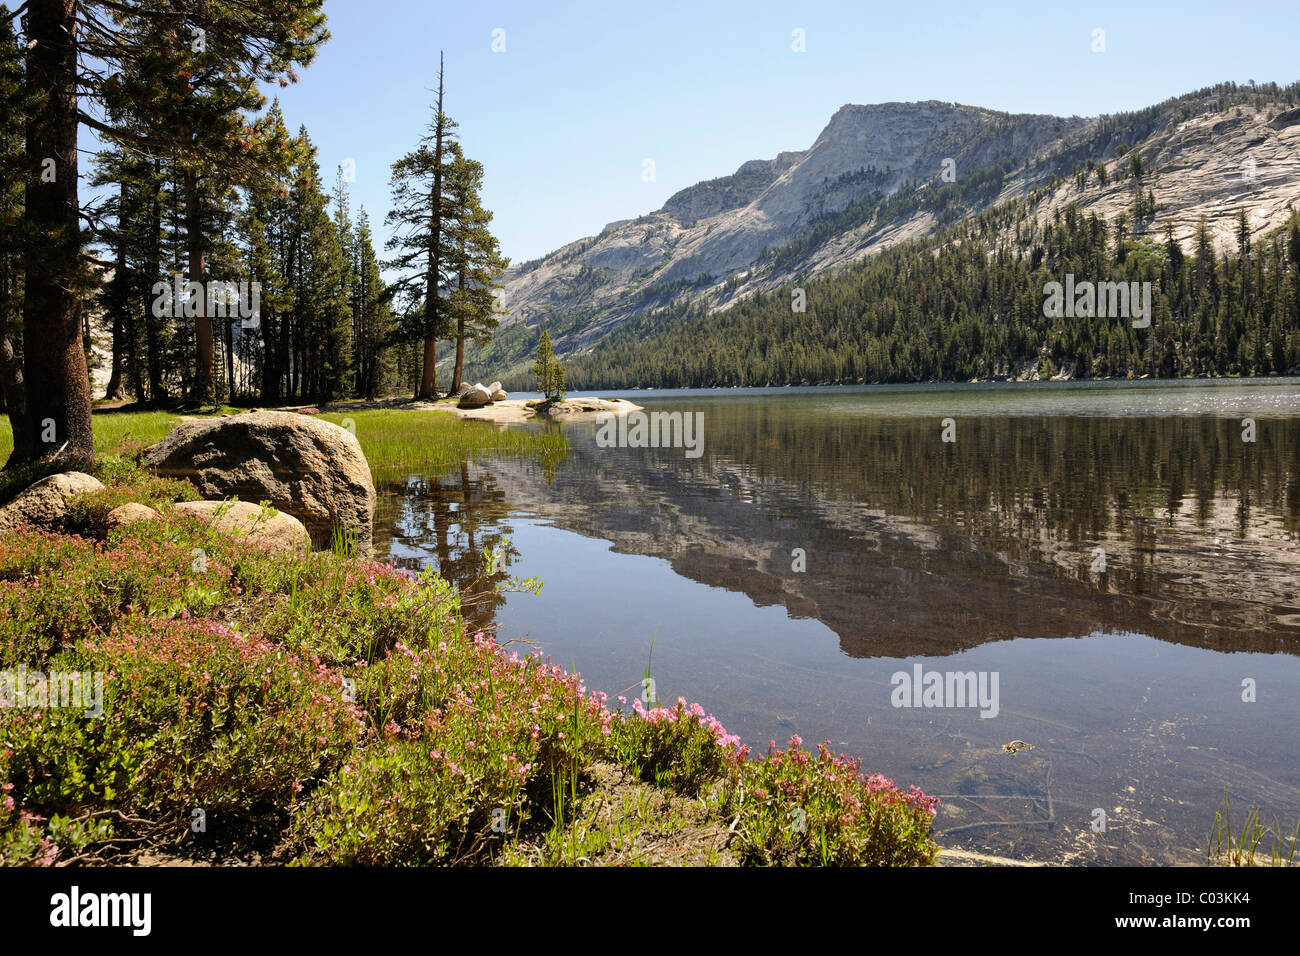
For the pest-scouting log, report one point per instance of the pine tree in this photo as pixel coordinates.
(321, 315)
(269, 253)
(547, 370)
(421, 239)
(374, 315)
(170, 80)
(474, 257)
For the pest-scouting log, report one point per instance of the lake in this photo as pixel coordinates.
(1113, 565)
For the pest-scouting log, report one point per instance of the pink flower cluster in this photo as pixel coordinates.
(681, 711)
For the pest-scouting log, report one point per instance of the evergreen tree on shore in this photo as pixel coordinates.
(475, 258)
(422, 241)
(163, 79)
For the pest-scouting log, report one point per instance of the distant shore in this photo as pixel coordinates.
(507, 411)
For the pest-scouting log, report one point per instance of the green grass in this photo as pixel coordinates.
(1255, 845)
(400, 443)
(396, 443)
(112, 432)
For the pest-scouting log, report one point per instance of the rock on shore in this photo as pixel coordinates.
(44, 504)
(304, 466)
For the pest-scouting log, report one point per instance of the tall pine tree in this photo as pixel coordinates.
(420, 238)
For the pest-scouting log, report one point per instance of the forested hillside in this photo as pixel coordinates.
(963, 253)
(944, 308)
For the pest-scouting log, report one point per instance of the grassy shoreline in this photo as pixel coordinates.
(323, 709)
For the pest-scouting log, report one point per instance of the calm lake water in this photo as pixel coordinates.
(1115, 555)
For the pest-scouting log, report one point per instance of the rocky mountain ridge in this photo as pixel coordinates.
(861, 187)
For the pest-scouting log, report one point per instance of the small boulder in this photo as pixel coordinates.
(497, 392)
(44, 504)
(130, 513)
(476, 397)
(281, 531)
(304, 466)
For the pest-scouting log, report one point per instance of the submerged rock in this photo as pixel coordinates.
(587, 407)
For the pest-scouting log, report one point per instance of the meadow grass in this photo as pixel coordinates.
(396, 443)
(400, 443)
(112, 431)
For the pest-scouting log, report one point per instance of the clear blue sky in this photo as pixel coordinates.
(584, 92)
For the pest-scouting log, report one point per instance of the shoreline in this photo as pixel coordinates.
(510, 411)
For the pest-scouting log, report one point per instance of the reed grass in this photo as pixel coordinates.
(1255, 845)
(399, 443)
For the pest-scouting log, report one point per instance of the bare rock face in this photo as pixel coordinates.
(130, 513)
(706, 245)
(476, 397)
(499, 394)
(44, 504)
(281, 531)
(306, 467)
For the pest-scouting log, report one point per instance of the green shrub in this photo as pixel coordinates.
(797, 809)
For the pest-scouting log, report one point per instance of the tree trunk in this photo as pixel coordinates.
(115, 390)
(205, 392)
(120, 298)
(270, 357)
(429, 380)
(15, 395)
(152, 334)
(459, 370)
(57, 384)
(230, 358)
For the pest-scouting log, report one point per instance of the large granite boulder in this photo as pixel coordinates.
(44, 504)
(476, 397)
(281, 531)
(304, 466)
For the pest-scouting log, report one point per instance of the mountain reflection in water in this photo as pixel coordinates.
(1030, 526)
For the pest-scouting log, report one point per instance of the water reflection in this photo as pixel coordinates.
(451, 522)
(1024, 527)
(979, 554)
